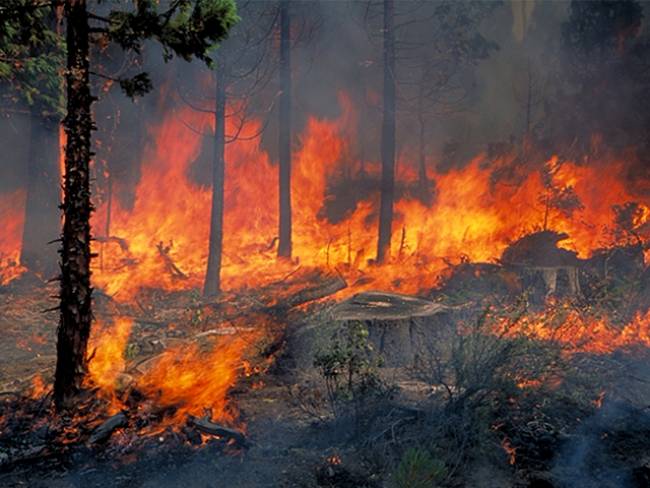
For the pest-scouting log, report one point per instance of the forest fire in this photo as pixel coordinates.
(384, 243)
(475, 212)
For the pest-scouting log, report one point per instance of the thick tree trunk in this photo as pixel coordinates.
(387, 137)
(400, 327)
(75, 307)
(41, 212)
(284, 246)
(212, 285)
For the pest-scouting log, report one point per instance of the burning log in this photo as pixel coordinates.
(206, 426)
(398, 325)
(169, 263)
(105, 430)
(280, 297)
(325, 288)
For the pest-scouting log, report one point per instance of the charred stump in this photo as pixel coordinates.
(538, 254)
(399, 326)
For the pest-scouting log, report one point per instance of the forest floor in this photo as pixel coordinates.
(561, 437)
(286, 443)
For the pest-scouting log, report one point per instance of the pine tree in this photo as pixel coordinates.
(184, 28)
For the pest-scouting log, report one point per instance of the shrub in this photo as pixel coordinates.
(419, 469)
(349, 369)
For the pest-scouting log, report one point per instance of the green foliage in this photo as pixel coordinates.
(32, 56)
(32, 53)
(186, 28)
(419, 469)
(138, 85)
(349, 368)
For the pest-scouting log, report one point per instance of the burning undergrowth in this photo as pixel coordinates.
(471, 211)
(520, 378)
(547, 253)
(137, 399)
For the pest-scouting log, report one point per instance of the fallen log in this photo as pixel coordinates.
(105, 430)
(13, 457)
(329, 286)
(274, 298)
(206, 426)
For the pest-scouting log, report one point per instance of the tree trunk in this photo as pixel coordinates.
(41, 210)
(212, 285)
(422, 158)
(109, 210)
(75, 306)
(284, 246)
(387, 137)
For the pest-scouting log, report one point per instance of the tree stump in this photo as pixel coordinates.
(399, 325)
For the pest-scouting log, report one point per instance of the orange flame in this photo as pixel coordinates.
(12, 217)
(509, 450)
(38, 388)
(474, 215)
(108, 345)
(578, 333)
(193, 382)
(184, 379)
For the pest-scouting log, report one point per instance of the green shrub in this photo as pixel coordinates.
(419, 469)
(350, 369)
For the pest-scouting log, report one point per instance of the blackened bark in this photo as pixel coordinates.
(75, 307)
(387, 137)
(212, 285)
(43, 184)
(284, 246)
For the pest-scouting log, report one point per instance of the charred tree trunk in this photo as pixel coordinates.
(41, 210)
(75, 306)
(284, 246)
(387, 137)
(212, 285)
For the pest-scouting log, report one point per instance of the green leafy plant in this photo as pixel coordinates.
(419, 469)
(349, 368)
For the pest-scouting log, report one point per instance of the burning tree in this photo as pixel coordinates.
(184, 28)
(242, 71)
(426, 48)
(284, 223)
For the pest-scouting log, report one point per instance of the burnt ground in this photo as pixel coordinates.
(562, 438)
(286, 443)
